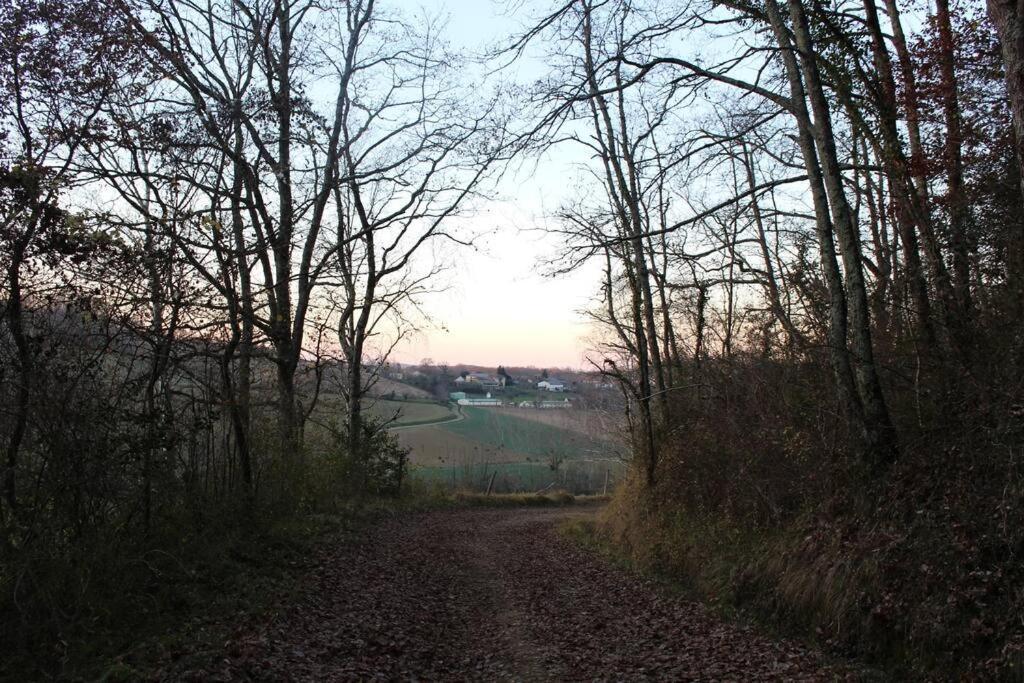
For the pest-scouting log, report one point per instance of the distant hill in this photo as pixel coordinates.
(525, 372)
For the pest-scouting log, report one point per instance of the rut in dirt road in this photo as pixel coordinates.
(494, 595)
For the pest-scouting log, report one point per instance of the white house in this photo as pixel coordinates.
(553, 385)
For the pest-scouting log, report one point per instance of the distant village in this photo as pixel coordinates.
(519, 387)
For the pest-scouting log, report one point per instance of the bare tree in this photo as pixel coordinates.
(416, 145)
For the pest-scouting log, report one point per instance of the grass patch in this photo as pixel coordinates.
(708, 578)
(505, 500)
(408, 413)
(584, 532)
(577, 475)
(908, 599)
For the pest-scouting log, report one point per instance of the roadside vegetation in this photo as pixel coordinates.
(808, 219)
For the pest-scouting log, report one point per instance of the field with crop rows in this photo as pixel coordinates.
(582, 421)
(501, 427)
(520, 453)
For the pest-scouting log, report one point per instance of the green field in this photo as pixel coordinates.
(576, 476)
(521, 454)
(498, 428)
(408, 412)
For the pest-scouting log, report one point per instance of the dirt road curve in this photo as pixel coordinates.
(493, 595)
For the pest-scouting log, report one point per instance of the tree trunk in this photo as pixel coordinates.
(621, 184)
(288, 413)
(243, 326)
(881, 448)
(912, 214)
(16, 324)
(842, 369)
(701, 325)
(911, 99)
(288, 347)
(355, 401)
(1008, 18)
(956, 198)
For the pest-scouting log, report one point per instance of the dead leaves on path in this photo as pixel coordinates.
(490, 595)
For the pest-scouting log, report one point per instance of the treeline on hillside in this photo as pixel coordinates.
(809, 220)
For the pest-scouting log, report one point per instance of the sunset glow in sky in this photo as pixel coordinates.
(498, 306)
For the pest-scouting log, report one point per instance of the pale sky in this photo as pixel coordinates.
(498, 306)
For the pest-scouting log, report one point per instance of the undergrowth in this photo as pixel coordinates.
(762, 507)
(917, 585)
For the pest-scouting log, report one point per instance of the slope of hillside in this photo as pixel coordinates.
(402, 413)
(388, 387)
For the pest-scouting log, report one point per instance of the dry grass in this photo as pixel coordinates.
(915, 574)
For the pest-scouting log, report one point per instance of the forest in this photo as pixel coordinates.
(808, 221)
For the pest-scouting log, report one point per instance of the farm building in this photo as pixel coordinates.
(555, 404)
(551, 385)
(483, 379)
(487, 401)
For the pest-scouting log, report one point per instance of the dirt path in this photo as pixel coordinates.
(493, 595)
